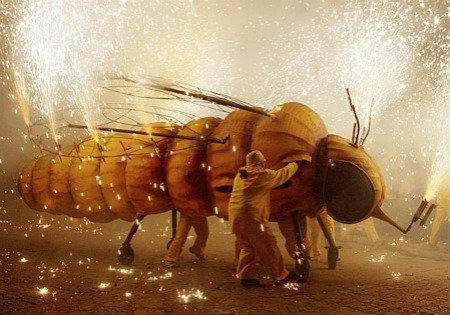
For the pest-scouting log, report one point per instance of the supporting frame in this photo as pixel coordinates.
(301, 259)
(125, 254)
(174, 227)
(333, 250)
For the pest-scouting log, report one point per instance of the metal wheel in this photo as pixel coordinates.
(302, 269)
(125, 255)
(333, 257)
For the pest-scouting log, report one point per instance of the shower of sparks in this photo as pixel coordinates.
(292, 286)
(43, 291)
(165, 276)
(186, 296)
(382, 258)
(440, 169)
(123, 271)
(374, 56)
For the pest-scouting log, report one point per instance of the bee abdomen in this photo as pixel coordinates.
(186, 168)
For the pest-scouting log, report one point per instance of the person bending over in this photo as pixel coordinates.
(249, 211)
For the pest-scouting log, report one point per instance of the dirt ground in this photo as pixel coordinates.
(49, 266)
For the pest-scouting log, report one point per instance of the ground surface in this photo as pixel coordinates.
(74, 264)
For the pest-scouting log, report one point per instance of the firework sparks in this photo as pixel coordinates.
(394, 52)
(440, 169)
(43, 291)
(396, 275)
(382, 258)
(186, 296)
(123, 271)
(104, 285)
(292, 286)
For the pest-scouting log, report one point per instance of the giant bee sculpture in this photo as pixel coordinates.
(128, 174)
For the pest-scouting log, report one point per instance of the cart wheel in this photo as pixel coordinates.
(169, 243)
(333, 257)
(125, 255)
(302, 268)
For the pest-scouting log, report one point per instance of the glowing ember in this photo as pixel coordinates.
(43, 291)
(128, 294)
(104, 285)
(165, 276)
(121, 270)
(396, 275)
(185, 296)
(293, 286)
(378, 260)
(23, 260)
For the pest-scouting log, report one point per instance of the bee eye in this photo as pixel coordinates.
(349, 193)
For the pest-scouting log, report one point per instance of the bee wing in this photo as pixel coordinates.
(184, 92)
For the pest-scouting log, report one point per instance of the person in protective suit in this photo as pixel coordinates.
(201, 228)
(249, 211)
(371, 232)
(314, 238)
(442, 213)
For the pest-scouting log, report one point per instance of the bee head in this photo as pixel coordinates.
(353, 186)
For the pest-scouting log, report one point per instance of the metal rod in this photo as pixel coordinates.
(326, 232)
(213, 140)
(134, 229)
(427, 214)
(418, 213)
(298, 233)
(155, 134)
(379, 214)
(138, 132)
(174, 223)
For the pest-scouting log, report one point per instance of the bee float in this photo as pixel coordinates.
(189, 168)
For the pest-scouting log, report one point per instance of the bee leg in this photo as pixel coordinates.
(174, 227)
(301, 259)
(333, 250)
(125, 255)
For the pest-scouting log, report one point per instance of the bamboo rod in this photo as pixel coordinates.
(155, 134)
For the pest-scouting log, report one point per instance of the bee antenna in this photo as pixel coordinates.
(353, 132)
(369, 124)
(355, 139)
